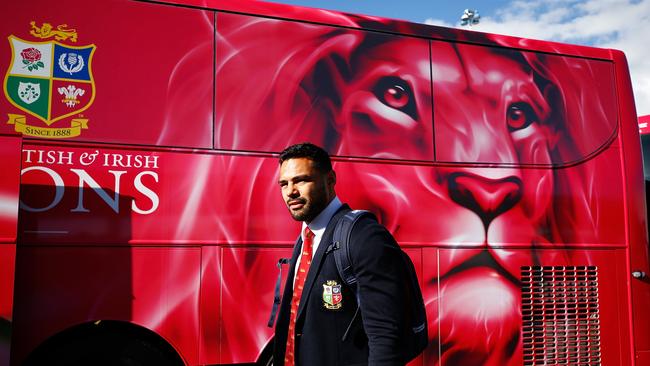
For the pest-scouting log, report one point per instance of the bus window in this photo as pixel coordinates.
(495, 105)
(357, 93)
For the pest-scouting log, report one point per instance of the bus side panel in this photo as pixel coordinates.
(234, 200)
(417, 257)
(9, 190)
(96, 196)
(210, 323)
(249, 276)
(7, 268)
(169, 197)
(642, 358)
(157, 288)
(430, 294)
(9, 187)
(636, 207)
(197, 198)
(152, 69)
(563, 308)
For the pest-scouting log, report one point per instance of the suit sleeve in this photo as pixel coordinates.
(378, 266)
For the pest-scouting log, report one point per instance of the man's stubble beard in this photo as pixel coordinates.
(311, 209)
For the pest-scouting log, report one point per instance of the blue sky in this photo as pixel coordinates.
(619, 24)
(415, 11)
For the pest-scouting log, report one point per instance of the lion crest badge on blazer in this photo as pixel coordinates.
(332, 296)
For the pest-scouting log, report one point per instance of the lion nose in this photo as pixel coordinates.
(488, 198)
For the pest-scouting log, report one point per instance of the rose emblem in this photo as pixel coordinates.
(31, 58)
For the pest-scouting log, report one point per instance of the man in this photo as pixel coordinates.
(317, 323)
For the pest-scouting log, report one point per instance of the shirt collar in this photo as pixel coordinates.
(318, 224)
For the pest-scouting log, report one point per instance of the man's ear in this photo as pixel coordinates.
(331, 178)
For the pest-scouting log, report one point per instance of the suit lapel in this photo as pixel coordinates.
(297, 249)
(316, 263)
(287, 294)
(282, 323)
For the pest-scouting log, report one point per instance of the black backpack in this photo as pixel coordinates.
(416, 335)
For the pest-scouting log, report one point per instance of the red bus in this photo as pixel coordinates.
(141, 222)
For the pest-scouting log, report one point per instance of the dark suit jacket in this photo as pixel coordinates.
(375, 336)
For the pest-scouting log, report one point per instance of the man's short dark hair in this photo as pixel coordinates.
(310, 151)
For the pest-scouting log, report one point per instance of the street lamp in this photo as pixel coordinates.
(470, 17)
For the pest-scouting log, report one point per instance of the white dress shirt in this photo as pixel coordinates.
(318, 226)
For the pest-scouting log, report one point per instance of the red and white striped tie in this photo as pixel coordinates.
(298, 284)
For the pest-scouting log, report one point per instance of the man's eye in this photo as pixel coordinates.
(519, 116)
(396, 93)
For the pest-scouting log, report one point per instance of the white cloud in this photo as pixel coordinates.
(618, 24)
(439, 22)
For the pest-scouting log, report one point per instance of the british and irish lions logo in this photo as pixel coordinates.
(332, 296)
(51, 82)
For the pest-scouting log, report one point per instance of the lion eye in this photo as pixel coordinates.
(396, 93)
(519, 116)
(396, 97)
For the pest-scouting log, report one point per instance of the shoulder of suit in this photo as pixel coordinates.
(369, 225)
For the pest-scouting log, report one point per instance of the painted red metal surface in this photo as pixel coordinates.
(88, 284)
(482, 157)
(477, 312)
(10, 147)
(212, 212)
(146, 91)
(62, 200)
(635, 186)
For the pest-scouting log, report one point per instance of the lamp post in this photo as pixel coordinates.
(470, 17)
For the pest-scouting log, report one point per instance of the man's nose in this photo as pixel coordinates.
(292, 191)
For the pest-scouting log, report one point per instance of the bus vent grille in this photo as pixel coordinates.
(561, 320)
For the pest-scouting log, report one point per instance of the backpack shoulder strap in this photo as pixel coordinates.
(341, 242)
(341, 246)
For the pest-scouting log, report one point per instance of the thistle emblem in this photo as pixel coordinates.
(71, 62)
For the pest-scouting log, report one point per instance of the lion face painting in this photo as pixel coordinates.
(467, 151)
